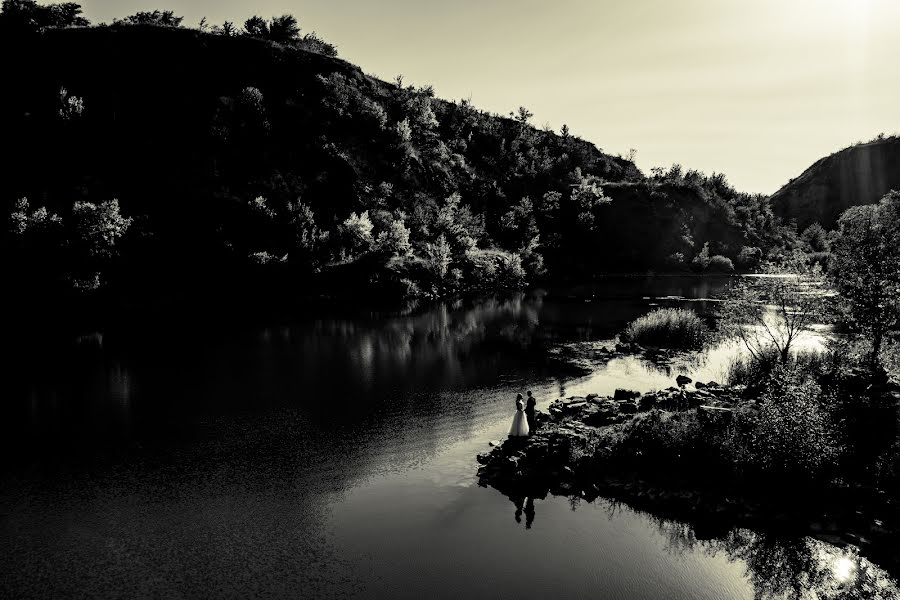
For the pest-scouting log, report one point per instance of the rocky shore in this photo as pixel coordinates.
(573, 453)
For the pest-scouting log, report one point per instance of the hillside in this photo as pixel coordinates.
(243, 167)
(860, 174)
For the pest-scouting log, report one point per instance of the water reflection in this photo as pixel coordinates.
(228, 454)
(788, 567)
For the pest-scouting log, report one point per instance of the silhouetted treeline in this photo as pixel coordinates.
(244, 165)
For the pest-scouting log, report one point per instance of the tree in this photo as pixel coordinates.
(284, 29)
(769, 313)
(99, 227)
(165, 18)
(438, 256)
(394, 240)
(523, 115)
(28, 14)
(71, 107)
(358, 232)
(866, 268)
(815, 238)
(256, 26)
(701, 261)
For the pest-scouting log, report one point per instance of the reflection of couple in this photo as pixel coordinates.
(523, 421)
(525, 505)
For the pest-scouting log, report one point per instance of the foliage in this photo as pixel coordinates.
(769, 313)
(99, 226)
(792, 433)
(755, 373)
(438, 256)
(815, 239)
(357, 230)
(28, 14)
(720, 264)
(164, 18)
(866, 268)
(668, 328)
(267, 120)
(749, 257)
(394, 240)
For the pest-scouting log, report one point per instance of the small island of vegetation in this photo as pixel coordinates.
(804, 441)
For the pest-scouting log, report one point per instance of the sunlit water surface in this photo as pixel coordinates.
(336, 457)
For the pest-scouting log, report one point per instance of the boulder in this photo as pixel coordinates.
(649, 401)
(621, 394)
(700, 385)
(628, 408)
(683, 380)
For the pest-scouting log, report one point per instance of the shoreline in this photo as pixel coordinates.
(561, 458)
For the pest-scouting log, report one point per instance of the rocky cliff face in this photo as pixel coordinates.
(857, 175)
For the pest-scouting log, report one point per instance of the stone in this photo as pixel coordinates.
(683, 380)
(621, 394)
(628, 408)
(494, 443)
(648, 401)
(700, 385)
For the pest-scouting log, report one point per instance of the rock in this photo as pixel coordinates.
(700, 385)
(683, 380)
(494, 443)
(648, 401)
(713, 384)
(628, 408)
(621, 394)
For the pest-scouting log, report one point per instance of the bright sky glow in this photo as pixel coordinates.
(758, 90)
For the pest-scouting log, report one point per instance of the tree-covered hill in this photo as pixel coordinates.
(244, 163)
(860, 174)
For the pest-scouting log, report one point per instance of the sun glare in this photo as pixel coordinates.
(844, 569)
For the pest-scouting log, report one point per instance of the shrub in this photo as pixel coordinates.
(720, 264)
(668, 328)
(756, 371)
(749, 257)
(793, 433)
(662, 438)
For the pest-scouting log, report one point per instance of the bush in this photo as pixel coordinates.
(668, 328)
(755, 372)
(793, 433)
(662, 438)
(720, 264)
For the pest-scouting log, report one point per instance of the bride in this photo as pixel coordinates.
(519, 426)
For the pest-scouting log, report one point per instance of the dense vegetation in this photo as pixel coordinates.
(668, 328)
(226, 160)
(808, 419)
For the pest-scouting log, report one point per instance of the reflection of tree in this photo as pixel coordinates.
(788, 567)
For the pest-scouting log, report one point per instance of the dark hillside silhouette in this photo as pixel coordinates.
(860, 174)
(245, 167)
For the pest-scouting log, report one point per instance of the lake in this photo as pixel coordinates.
(335, 457)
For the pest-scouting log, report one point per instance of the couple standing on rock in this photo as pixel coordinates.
(523, 421)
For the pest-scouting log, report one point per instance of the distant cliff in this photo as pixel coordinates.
(857, 175)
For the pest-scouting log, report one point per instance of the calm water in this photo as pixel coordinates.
(336, 457)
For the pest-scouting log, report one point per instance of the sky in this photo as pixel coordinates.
(755, 89)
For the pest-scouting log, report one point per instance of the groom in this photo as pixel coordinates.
(529, 411)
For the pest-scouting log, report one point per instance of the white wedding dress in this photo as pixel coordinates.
(519, 426)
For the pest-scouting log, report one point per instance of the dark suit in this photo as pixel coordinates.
(529, 412)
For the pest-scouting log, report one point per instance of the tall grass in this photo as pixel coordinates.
(746, 370)
(677, 328)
